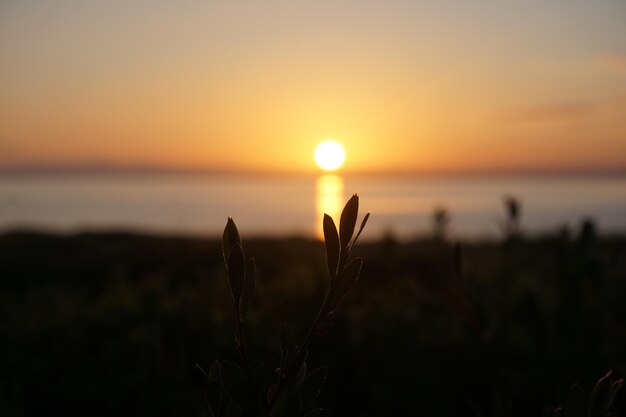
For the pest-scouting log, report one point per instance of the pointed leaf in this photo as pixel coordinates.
(234, 381)
(331, 238)
(249, 287)
(271, 391)
(230, 238)
(264, 372)
(600, 396)
(297, 383)
(347, 279)
(576, 405)
(615, 389)
(351, 273)
(288, 401)
(236, 273)
(233, 409)
(202, 371)
(213, 398)
(317, 412)
(363, 223)
(214, 371)
(284, 345)
(313, 384)
(458, 259)
(251, 278)
(281, 403)
(287, 340)
(348, 221)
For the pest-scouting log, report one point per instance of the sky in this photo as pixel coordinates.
(406, 86)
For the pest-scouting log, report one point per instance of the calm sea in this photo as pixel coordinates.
(293, 205)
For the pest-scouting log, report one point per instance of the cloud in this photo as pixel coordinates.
(553, 112)
(9, 149)
(613, 62)
(620, 98)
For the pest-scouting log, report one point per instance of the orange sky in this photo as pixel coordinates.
(405, 86)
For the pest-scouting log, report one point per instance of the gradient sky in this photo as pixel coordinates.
(405, 85)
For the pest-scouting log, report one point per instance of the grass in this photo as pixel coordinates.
(113, 324)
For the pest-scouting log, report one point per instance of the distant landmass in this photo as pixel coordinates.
(115, 169)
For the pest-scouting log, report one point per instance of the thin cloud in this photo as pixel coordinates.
(613, 62)
(9, 150)
(553, 112)
(620, 98)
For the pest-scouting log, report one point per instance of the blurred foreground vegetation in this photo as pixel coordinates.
(113, 324)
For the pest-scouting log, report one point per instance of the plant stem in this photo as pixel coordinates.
(286, 375)
(241, 345)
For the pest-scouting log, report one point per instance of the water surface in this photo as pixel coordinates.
(293, 205)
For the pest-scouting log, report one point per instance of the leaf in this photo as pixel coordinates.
(249, 288)
(251, 278)
(287, 341)
(576, 405)
(363, 223)
(230, 238)
(615, 389)
(236, 273)
(233, 410)
(458, 259)
(213, 397)
(213, 388)
(331, 238)
(348, 221)
(234, 381)
(288, 401)
(317, 412)
(264, 372)
(297, 383)
(202, 371)
(351, 273)
(313, 384)
(280, 404)
(214, 371)
(346, 280)
(600, 396)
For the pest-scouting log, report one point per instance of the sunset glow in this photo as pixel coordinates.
(412, 86)
(330, 155)
(329, 199)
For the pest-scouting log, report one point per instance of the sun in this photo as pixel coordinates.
(330, 155)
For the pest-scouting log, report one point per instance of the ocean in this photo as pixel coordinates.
(293, 205)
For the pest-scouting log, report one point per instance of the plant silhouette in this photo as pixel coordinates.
(599, 403)
(440, 220)
(283, 386)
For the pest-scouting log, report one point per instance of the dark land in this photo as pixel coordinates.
(112, 324)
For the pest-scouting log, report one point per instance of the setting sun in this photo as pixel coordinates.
(330, 155)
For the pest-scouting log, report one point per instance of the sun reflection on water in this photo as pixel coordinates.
(329, 199)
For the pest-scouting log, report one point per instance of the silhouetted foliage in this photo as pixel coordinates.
(599, 403)
(282, 386)
(441, 220)
(114, 323)
(512, 224)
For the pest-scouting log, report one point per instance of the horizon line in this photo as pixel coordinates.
(132, 169)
